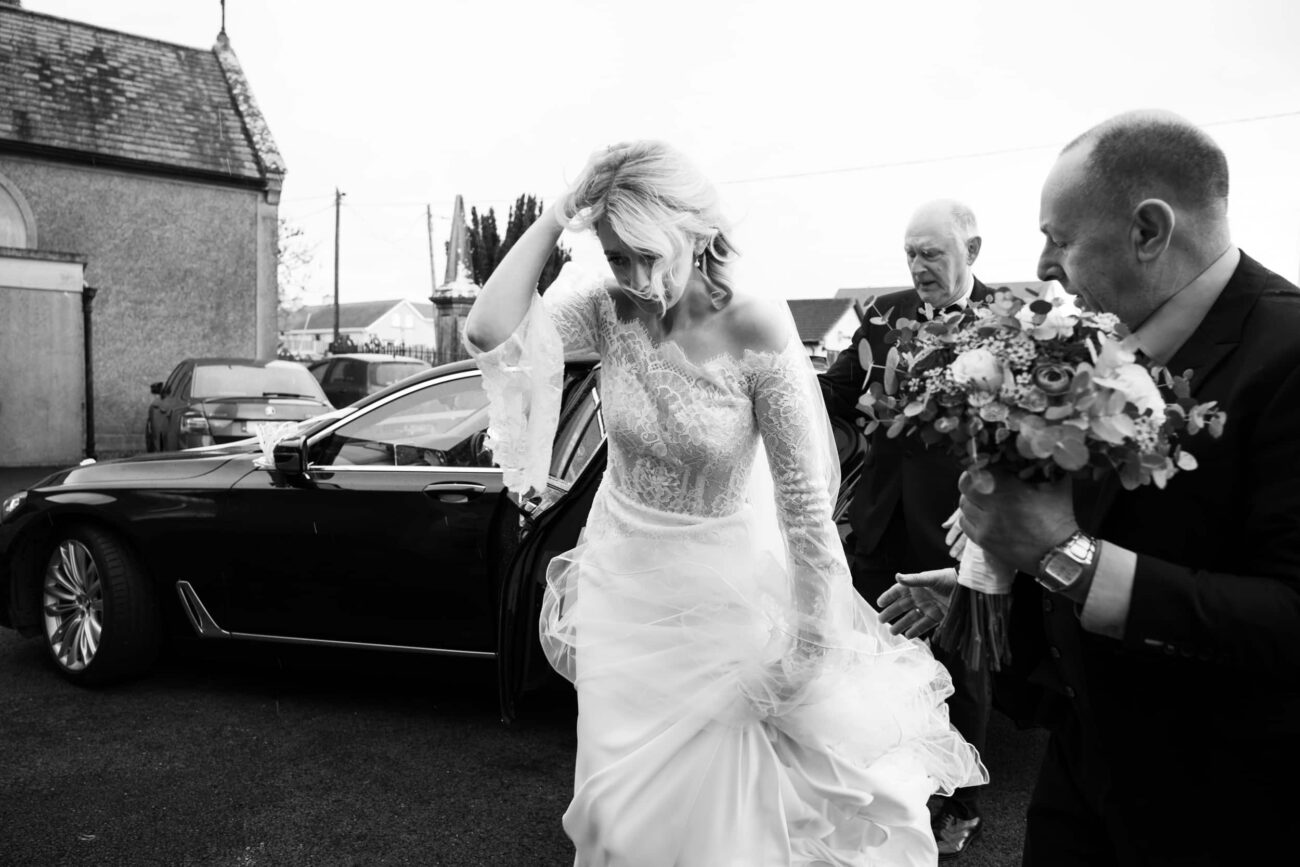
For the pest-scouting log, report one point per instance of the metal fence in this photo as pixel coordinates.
(378, 347)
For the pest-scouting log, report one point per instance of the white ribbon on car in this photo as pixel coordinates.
(268, 435)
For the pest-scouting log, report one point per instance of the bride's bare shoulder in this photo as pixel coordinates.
(757, 324)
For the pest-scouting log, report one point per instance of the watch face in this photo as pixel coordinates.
(1063, 570)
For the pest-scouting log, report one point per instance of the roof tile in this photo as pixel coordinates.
(813, 317)
(73, 86)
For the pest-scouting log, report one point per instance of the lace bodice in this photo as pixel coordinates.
(682, 434)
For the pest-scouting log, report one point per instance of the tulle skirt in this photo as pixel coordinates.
(668, 625)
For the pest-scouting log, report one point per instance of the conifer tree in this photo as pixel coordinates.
(484, 245)
(487, 249)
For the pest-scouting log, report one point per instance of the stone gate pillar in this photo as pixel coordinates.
(451, 304)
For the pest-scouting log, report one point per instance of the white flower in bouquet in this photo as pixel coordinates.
(1135, 383)
(978, 368)
(1056, 324)
(1117, 368)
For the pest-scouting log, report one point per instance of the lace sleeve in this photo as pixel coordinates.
(577, 304)
(524, 376)
(792, 421)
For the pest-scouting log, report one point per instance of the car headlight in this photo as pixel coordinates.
(12, 504)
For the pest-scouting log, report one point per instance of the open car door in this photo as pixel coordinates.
(552, 524)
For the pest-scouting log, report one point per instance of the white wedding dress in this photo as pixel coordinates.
(738, 703)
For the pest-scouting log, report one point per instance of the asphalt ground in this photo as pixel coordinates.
(270, 755)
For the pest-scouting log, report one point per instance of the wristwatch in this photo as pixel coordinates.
(1065, 564)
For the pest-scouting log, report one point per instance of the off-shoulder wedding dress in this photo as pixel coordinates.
(738, 703)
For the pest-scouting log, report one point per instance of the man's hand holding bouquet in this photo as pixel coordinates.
(1032, 388)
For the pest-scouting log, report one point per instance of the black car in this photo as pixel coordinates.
(384, 525)
(206, 401)
(349, 377)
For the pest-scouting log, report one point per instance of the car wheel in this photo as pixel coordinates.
(99, 611)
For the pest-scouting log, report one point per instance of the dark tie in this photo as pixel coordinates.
(923, 316)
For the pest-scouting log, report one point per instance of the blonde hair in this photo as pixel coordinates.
(662, 207)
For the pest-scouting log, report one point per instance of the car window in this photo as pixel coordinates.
(173, 380)
(347, 370)
(443, 424)
(276, 378)
(318, 369)
(182, 384)
(578, 441)
(385, 373)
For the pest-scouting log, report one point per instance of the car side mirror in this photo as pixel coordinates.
(155, 388)
(290, 456)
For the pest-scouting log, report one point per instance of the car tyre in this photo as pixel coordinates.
(99, 612)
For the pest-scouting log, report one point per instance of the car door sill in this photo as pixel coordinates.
(206, 627)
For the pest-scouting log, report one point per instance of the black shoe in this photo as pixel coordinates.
(953, 833)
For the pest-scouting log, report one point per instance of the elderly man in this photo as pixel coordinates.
(906, 492)
(1160, 639)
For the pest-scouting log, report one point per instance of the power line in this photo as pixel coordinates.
(811, 173)
(296, 199)
(887, 165)
(375, 234)
(328, 207)
(410, 204)
(1253, 119)
(966, 156)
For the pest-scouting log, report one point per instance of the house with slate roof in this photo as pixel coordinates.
(309, 330)
(825, 325)
(139, 194)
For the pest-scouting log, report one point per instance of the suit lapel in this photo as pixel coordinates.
(1220, 331)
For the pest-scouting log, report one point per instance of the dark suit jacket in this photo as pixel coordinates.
(1201, 699)
(899, 473)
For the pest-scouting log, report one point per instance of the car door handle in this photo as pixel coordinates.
(454, 492)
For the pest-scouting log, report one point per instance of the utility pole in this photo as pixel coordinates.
(433, 269)
(338, 207)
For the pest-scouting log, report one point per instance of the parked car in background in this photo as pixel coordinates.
(383, 526)
(208, 401)
(349, 377)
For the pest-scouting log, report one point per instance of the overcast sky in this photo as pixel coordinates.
(824, 123)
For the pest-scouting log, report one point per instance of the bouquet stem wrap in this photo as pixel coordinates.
(975, 626)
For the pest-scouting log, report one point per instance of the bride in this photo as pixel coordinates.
(738, 703)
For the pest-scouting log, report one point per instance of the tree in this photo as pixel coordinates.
(487, 248)
(484, 245)
(292, 260)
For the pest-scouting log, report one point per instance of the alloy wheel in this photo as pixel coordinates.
(73, 605)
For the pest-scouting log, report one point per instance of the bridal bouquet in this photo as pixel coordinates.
(1034, 388)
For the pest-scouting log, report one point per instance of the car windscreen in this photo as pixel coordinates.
(247, 380)
(387, 372)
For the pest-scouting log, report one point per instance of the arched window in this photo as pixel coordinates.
(17, 225)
